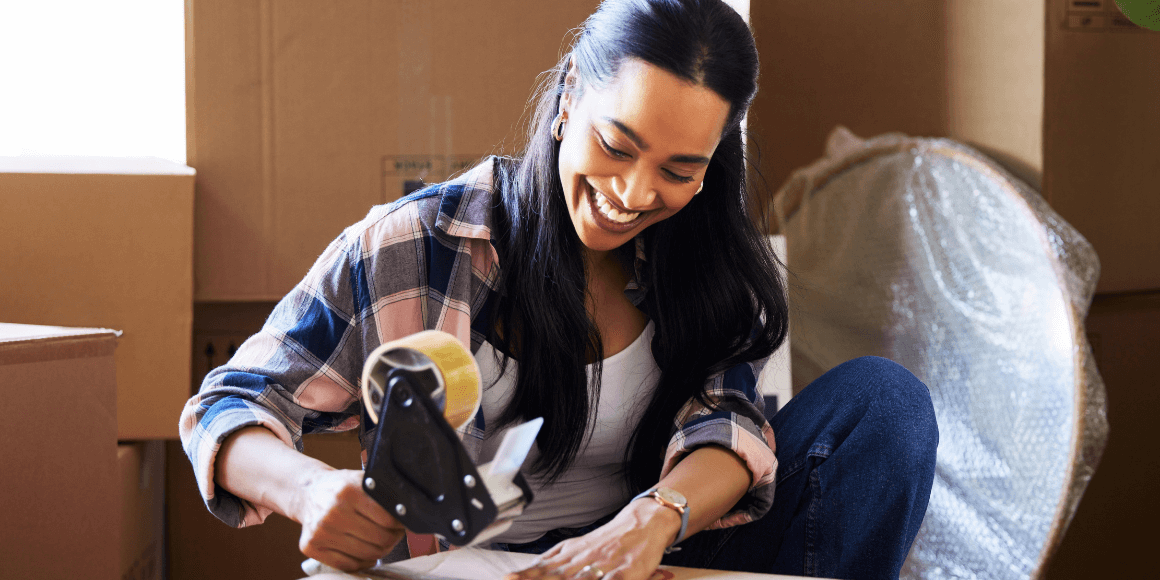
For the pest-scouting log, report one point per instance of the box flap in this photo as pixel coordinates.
(75, 164)
(26, 343)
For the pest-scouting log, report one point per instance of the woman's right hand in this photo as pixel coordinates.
(342, 526)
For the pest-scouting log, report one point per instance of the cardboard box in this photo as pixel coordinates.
(1112, 532)
(302, 115)
(972, 71)
(201, 547)
(1069, 110)
(141, 467)
(198, 544)
(58, 483)
(107, 242)
(1101, 141)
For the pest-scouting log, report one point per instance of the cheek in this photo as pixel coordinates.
(570, 165)
(580, 157)
(673, 204)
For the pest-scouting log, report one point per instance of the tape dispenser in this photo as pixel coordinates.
(419, 390)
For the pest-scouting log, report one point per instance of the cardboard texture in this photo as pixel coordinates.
(141, 467)
(200, 546)
(1101, 147)
(58, 399)
(1113, 530)
(972, 71)
(298, 111)
(1069, 109)
(107, 242)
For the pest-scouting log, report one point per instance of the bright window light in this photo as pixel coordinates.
(105, 78)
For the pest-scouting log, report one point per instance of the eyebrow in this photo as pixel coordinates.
(695, 159)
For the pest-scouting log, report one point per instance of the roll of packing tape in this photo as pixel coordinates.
(453, 373)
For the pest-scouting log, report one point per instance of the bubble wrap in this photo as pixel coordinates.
(926, 252)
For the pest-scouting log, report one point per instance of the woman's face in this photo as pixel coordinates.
(635, 151)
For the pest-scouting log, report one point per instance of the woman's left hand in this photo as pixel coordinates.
(629, 547)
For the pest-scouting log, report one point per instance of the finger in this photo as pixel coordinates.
(334, 537)
(384, 548)
(323, 548)
(562, 553)
(549, 570)
(552, 552)
(375, 514)
(541, 568)
(367, 531)
(568, 561)
(362, 549)
(343, 527)
(342, 561)
(370, 509)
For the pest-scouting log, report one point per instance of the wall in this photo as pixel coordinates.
(1064, 95)
(1102, 145)
(299, 110)
(994, 76)
(1112, 534)
(968, 70)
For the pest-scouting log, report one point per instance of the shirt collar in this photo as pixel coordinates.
(465, 203)
(638, 286)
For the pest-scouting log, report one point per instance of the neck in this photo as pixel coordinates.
(595, 261)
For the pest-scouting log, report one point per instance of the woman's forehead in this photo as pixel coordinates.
(662, 110)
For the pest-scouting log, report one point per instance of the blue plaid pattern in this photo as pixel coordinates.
(423, 262)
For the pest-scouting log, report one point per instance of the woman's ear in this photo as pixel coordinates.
(571, 86)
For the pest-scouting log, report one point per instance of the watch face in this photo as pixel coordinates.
(672, 496)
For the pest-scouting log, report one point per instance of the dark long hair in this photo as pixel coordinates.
(715, 295)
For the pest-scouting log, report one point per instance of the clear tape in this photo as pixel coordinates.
(926, 252)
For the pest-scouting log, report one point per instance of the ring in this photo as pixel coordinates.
(593, 570)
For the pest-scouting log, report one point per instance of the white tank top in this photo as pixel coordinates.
(594, 484)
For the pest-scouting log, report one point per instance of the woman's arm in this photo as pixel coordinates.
(341, 525)
(712, 479)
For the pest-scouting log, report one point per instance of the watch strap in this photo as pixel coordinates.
(652, 493)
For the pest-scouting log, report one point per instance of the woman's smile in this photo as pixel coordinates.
(635, 150)
(610, 215)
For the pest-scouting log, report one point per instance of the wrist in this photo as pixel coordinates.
(297, 501)
(664, 521)
(674, 501)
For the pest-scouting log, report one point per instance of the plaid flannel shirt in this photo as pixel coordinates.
(423, 262)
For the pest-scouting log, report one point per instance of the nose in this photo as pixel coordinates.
(634, 190)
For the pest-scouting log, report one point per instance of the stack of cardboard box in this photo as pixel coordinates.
(59, 481)
(91, 242)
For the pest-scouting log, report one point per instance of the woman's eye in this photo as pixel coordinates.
(679, 178)
(608, 149)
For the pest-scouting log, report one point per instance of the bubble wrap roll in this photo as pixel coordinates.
(926, 252)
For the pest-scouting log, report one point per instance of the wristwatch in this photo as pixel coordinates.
(672, 499)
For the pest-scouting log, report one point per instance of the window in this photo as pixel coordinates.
(79, 77)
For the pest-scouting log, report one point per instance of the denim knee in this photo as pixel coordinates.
(899, 397)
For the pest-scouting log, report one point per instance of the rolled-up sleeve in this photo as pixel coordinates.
(422, 262)
(736, 423)
(298, 375)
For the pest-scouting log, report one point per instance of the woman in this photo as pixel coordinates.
(612, 281)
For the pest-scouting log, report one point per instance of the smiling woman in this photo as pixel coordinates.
(615, 182)
(609, 280)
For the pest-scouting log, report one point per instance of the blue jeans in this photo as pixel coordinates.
(856, 457)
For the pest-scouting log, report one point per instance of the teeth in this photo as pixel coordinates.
(611, 212)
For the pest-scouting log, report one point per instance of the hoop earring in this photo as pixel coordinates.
(558, 126)
(702, 186)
